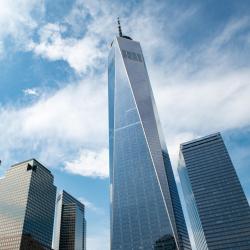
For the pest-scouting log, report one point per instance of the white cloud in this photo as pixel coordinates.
(231, 30)
(213, 103)
(55, 127)
(81, 54)
(90, 163)
(17, 18)
(32, 92)
(76, 112)
(90, 205)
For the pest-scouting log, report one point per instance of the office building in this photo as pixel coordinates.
(27, 205)
(145, 204)
(70, 226)
(217, 206)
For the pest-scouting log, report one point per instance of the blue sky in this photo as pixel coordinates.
(53, 85)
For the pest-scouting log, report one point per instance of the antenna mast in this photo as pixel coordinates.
(119, 27)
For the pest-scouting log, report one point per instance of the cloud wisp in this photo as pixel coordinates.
(81, 54)
(19, 19)
(31, 92)
(91, 164)
(90, 205)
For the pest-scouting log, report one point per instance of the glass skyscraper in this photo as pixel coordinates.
(145, 204)
(217, 206)
(27, 205)
(70, 225)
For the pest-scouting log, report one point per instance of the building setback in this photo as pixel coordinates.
(27, 205)
(217, 206)
(145, 204)
(70, 226)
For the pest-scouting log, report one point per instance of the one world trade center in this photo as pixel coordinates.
(146, 211)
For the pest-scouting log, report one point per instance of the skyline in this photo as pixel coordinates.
(53, 61)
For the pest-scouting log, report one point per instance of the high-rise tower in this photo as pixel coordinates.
(145, 205)
(27, 205)
(217, 206)
(70, 226)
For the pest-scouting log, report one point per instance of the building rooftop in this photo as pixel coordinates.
(34, 162)
(200, 140)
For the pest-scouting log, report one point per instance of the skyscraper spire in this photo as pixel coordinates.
(119, 26)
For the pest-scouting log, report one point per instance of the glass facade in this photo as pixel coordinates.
(70, 226)
(27, 204)
(217, 206)
(145, 204)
